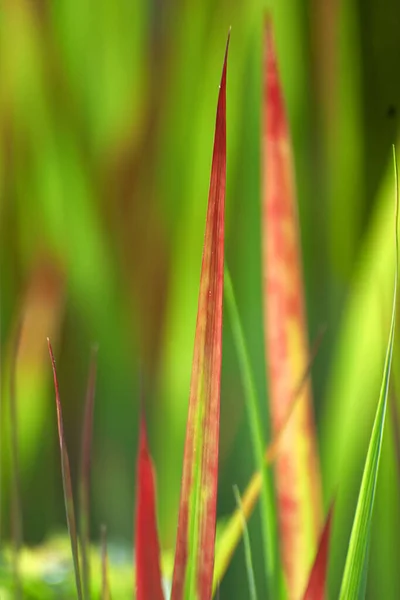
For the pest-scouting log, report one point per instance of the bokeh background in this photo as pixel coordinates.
(107, 113)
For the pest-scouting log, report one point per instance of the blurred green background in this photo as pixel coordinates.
(107, 113)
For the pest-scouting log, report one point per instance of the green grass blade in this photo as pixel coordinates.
(230, 537)
(394, 414)
(268, 516)
(67, 484)
(84, 483)
(16, 509)
(247, 549)
(105, 587)
(355, 571)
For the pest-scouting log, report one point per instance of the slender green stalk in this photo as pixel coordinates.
(267, 508)
(16, 510)
(247, 548)
(355, 571)
(67, 483)
(84, 478)
(394, 414)
(105, 586)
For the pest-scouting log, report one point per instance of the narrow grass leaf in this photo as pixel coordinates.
(317, 581)
(147, 547)
(232, 533)
(105, 586)
(297, 467)
(267, 508)
(247, 549)
(16, 510)
(66, 478)
(194, 558)
(84, 483)
(395, 419)
(355, 571)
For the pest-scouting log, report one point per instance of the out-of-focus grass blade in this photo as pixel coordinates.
(297, 469)
(317, 581)
(355, 571)
(247, 549)
(232, 533)
(16, 511)
(394, 413)
(84, 483)
(194, 557)
(147, 547)
(40, 313)
(105, 587)
(66, 477)
(267, 508)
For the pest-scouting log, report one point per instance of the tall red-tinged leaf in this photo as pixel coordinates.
(147, 547)
(84, 483)
(297, 468)
(317, 580)
(66, 478)
(194, 558)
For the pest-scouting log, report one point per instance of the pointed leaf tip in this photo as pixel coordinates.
(147, 547)
(317, 582)
(194, 557)
(273, 95)
(287, 353)
(66, 479)
(355, 571)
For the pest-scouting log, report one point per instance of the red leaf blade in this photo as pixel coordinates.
(66, 479)
(147, 547)
(194, 558)
(297, 468)
(317, 581)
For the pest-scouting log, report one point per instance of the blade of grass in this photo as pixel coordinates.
(394, 413)
(84, 482)
(297, 470)
(194, 557)
(355, 571)
(105, 587)
(16, 511)
(317, 581)
(66, 478)
(232, 533)
(267, 508)
(147, 548)
(247, 549)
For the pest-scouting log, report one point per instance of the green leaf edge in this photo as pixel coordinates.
(355, 571)
(247, 549)
(267, 507)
